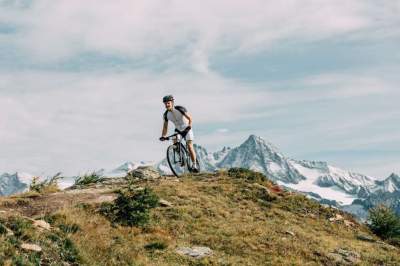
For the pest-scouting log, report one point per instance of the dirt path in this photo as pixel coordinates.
(40, 205)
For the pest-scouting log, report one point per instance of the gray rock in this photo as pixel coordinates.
(165, 203)
(41, 225)
(31, 247)
(144, 172)
(290, 233)
(195, 252)
(344, 257)
(365, 238)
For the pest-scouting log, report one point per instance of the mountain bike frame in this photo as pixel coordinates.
(180, 154)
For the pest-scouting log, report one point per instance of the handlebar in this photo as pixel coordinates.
(169, 137)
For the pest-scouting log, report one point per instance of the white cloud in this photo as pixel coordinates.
(71, 121)
(56, 30)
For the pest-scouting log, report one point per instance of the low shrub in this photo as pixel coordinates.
(247, 174)
(46, 186)
(384, 222)
(87, 179)
(131, 207)
(3, 229)
(156, 246)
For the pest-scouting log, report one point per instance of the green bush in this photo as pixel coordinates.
(48, 185)
(3, 229)
(246, 174)
(384, 222)
(88, 179)
(131, 207)
(156, 245)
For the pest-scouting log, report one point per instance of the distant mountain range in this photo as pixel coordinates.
(328, 184)
(353, 192)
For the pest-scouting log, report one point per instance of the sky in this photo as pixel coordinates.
(81, 82)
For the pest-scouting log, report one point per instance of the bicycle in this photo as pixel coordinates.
(178, 156)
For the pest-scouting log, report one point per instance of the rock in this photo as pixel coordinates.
(290, 233)
(365, 238)
(349, 223)
(195, 252)
(9, 232)
(31, 247)
(165, 203)
(41, 224)
(385, 245)
(344, 257)
(336, 258)
(144, 172)
(338, 217)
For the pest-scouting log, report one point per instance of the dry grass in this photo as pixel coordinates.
(233, 218)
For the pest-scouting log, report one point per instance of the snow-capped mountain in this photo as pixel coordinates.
(390, 184)
(328, 182)
(19, 182)
(14, 183)
(123, 169)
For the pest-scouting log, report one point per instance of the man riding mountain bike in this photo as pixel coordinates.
(182, 120)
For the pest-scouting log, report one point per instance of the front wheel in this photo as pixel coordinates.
(177, 159)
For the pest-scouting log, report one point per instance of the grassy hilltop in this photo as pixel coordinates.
(240, 215)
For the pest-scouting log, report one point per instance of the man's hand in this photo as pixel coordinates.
(163, 138)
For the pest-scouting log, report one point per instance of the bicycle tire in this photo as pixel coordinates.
(177, 169)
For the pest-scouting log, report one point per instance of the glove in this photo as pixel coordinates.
(163, 138)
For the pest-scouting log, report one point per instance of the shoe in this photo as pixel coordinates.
(195, 168)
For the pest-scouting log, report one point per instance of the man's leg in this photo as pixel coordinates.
(191, 151)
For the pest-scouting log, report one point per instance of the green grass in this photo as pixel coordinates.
(241, 216)
(57, 247)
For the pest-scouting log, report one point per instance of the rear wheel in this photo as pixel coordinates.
(177, 159)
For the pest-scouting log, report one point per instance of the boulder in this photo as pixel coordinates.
(165, 203)
(365, 238)
(41, 225)
(344, 257)
(31, 247)
(195, 252)
(144, 172)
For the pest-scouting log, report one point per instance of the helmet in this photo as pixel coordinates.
(168, 98)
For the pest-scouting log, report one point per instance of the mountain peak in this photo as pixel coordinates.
(394, 176)
(259, 142)
(255, 138)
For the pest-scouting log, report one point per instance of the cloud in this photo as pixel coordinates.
(57, 30)
(103, 119)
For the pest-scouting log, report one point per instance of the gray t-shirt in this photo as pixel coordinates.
(177, 117)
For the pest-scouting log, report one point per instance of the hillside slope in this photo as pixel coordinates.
(242, 217)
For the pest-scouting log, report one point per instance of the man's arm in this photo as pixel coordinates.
(189, 118)
(165, 129)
